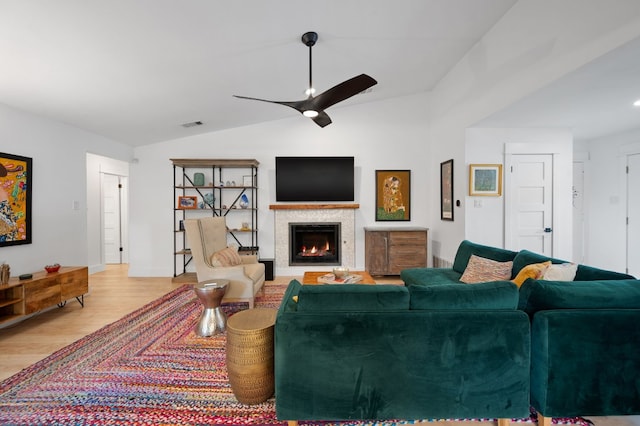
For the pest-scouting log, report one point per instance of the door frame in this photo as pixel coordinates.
(560, 230)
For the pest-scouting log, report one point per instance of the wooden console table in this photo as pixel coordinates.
(19, 298)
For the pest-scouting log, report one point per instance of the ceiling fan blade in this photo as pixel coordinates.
(342, 91)
(297, 105)
(322, 119)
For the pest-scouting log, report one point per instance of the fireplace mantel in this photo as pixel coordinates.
(312, 206)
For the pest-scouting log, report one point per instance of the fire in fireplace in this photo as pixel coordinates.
(314, 243)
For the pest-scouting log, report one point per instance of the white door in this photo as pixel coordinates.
(578, 213)
(112, 218)
(529, 205)
(633, 215)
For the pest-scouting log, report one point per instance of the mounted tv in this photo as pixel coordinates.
(314, 179)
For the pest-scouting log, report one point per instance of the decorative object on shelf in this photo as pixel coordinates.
(228, 183)
(245, 226)
(15, 199)
(244, 201)
(207, 201)
(198, 179)
(181, 225)
(52, 268)
(233, 183)
(393, 195)
(446, 190)
(485, 179)
(5, 273)
(187, 202)
(247, 180)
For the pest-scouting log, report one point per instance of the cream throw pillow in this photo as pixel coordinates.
(226, 257)
(561, 272)
(480, 270)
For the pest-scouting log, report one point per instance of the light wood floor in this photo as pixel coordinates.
(112, 294)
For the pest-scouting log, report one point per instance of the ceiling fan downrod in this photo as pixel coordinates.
(309, 39)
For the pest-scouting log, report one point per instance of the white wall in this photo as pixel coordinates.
(59, 180)
(485, 223)
(605, 203)
(381, 135)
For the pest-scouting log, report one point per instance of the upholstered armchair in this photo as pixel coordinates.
(207, 238)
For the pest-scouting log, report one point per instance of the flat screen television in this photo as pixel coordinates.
(314, 179)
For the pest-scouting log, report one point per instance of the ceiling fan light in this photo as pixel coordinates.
(310, 91)
(310, 113)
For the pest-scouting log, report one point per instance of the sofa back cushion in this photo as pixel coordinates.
(490, 295)
(589, 273)
(526, 257)
(540, 295)
(467, 248)
(353, 297)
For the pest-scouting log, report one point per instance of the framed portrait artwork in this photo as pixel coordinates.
(393, 195)
(15, 199)
(485, 179)
(188, 202)
(446, 190)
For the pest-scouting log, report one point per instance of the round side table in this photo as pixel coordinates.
(212, 320)
(250, 354)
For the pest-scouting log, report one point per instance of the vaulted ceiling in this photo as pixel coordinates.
(136, 70)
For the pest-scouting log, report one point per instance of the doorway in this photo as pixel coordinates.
(529, 203)
(114, 219)
(633, 215)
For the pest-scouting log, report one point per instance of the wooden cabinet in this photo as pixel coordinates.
(390, 250)
(23, 297)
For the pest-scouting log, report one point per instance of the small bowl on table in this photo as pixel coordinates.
(341, 272)
(52, 268)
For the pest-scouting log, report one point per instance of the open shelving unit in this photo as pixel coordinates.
(225, 181)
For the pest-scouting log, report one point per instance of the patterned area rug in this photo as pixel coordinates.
(147, 368)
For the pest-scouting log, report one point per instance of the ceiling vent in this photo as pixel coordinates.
(193, 124)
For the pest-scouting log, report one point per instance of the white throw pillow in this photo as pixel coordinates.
(561, 272)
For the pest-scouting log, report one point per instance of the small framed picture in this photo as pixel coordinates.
(446, 190)
(188, 202)
(485, 179)
(247, 180)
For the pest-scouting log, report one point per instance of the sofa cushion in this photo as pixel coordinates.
(480, 270)
(353, 297)
(488, 295)
(467, 248)
(560, 272)
(589, 273)
(535, 271)
(526, 257)
(429, 276)
(540, 295)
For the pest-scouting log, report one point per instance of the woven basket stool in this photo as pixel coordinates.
(250, 354)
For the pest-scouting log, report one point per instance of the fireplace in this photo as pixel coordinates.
(314, 244)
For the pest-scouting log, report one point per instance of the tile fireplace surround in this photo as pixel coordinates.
(314, 213)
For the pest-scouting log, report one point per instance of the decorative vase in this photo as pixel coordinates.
(244, 201)
(4, 273)
(198, 179)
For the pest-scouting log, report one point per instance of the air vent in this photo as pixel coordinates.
(193, 124)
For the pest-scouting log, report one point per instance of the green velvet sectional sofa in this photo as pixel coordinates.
(585, 334)
(439, 348)
(353, 351)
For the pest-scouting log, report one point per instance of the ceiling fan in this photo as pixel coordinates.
(313, 107)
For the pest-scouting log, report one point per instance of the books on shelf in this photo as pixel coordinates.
(332, 279)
